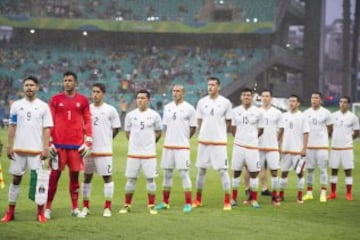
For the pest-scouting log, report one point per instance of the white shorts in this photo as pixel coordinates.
(21, 162)
(242, 157)
(316, 157)
(134, 165)
(175, 158)
(100, 165)
(212, 155)
(288, 162)
(270, 159)
(342, 157)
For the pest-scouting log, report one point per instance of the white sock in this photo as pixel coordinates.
(236, 183)
(301, 183)
(348, 180)
(334, 179)
(200, 178)
(254, 184)
(86, 190)
(109, 190)
(274, 183)
(283, 183)
(13, 193)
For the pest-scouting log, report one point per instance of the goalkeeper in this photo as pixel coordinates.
(71, 139)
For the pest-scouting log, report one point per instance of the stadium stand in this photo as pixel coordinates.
(125, 70)
(138, 10)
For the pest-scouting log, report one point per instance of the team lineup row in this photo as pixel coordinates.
(72, 132)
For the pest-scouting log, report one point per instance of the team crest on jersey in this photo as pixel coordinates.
(21, 109)
(61, 104)
(77, 104)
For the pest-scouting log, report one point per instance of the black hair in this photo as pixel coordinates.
(101, 86)
(32, 78)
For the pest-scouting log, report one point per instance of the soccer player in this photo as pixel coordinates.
(180, 122)
(268, 142)
(106, 125)
(319, 121)
(247, 126)
(345, 128)
(71, 139)
(143, 130)
(28, 140)
(214, 119)
(293, 139)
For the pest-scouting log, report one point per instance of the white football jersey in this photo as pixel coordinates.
(178, 119)
(104, 119)
(142, 127)
(344, 125)
(30, 119)
(247, 123)
(213, 113)
(294, 126)
(318, 120)
(268, 141)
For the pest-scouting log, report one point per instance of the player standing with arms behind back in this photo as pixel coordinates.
(72, 139)
(247, 126)
(143, 130)
(293, 139)
(106, 125)
(319, 120)
(345, 128)
(28, 140)
(268, 142)
(180, 122)
(214, 118)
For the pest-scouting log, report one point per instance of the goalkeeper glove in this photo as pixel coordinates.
(85, 148)
(52, 150)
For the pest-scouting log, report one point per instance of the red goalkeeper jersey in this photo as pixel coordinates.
(72, 120)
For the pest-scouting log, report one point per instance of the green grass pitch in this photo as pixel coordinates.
(337, 219)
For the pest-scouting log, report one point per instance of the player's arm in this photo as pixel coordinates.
(127, 134)
(355, 133)
(280, 136)
(11, 137)
(157, 135)
(87, 120)
(46, 139)
(228, 125)
(115, 131)
(199, 123)
(329, 129)
(192, 131)
(305, 143)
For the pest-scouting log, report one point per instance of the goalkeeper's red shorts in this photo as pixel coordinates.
(70, 157)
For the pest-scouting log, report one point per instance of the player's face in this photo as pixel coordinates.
(293, 103)
(315, 100)
(343, 104)
(213, 88)
(246, 98)
(142, 101)
(97, 96)
(30, 89)
(178, 93)
(69, 84)
(266, 98)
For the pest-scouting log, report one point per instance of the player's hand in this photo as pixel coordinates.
(10, 153)
(303, 152)
(44, 154)
(85, 148)
(52, 152)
